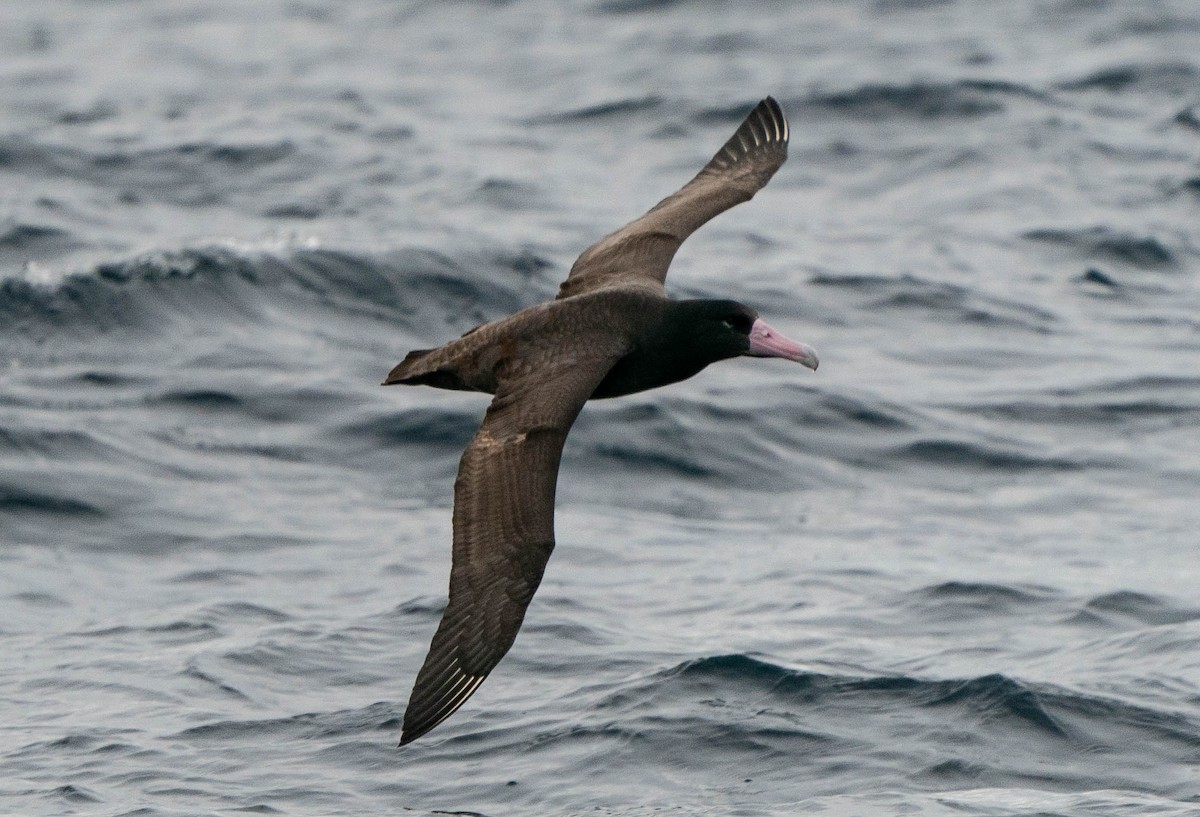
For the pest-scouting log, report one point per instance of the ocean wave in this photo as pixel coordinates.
(651, 437)
(421, 290)
(948, 301)
(958, 601)
(767, 707)
(636, 6)
(857, 411)
(987, 698)
(1125, 607)
(980, 455)
(51, 443)
(274, 405)
(615, 109)
(711, 714)
(20, 499)
(1167, 77)
(1111, 402)
(427, 427)
(348, 723)
(962, 99)
(1142, 251)
(959, 99)
(684, 438)
(191, 174)
(172, 633)
(25, 237)
(1189, 117)
(785, 438)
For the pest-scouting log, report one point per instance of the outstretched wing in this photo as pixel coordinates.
(640, 252)
(503, 529)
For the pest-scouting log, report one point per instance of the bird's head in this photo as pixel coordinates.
(730, 329)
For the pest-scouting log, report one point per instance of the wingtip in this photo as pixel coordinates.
(777, 114)
(409, 734)
(436, 697)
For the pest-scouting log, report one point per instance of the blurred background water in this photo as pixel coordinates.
(953, 572)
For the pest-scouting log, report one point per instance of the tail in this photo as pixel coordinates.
(416, 370)
(408, 368)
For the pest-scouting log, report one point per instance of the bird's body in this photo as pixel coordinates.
(611, 331)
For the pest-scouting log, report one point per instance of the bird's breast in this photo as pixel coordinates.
(644, 369)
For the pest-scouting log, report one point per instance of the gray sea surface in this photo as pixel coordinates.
(953, 572)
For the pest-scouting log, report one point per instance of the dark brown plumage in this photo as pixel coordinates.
(612, 330)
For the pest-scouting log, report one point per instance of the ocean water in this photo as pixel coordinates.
(953, 572)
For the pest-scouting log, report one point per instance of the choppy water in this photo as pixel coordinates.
(954, 572)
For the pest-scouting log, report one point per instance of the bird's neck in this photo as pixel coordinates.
(668, 350)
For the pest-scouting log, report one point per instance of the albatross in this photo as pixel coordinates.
(612, 330)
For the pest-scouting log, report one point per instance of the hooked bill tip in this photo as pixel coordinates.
(766, 341)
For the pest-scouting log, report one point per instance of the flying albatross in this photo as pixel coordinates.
(611, 331)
